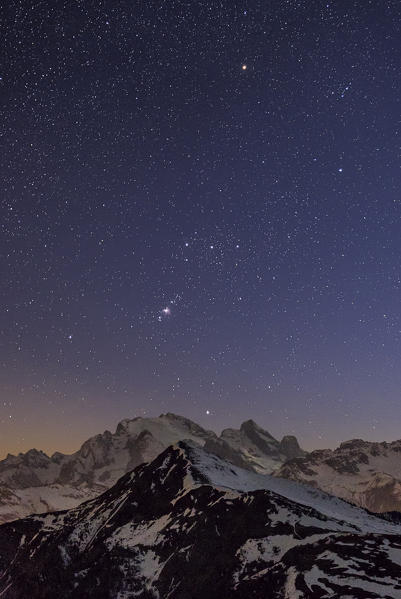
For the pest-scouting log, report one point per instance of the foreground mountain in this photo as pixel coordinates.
(34, 482)
(366, 474)
(189, 525)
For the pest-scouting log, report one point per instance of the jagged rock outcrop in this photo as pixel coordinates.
(258, 448)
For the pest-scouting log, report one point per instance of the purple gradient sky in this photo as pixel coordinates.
(142, 168)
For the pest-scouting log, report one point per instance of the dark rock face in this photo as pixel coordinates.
(256, 447)
(222, 449)
(289, 446)
(261, 438)
(296, 468)
(29, 465)
(343, 466)
(165, 531)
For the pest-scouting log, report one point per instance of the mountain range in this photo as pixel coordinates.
(364, 473)
(33, 482)
(189, 525)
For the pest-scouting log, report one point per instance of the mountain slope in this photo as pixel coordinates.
(254, 448)
(190, 525)
(366, 474)
(34, 482)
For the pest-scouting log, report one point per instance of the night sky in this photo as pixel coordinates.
(200, 213)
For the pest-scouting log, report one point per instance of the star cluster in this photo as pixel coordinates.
(200, 214)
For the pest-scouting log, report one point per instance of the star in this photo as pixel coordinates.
(202, 243)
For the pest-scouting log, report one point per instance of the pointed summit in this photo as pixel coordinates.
(258, 448)
(151, 535)
(63, 481)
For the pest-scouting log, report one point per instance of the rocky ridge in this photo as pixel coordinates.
(191, 525)
(34, 482)
(365, 473)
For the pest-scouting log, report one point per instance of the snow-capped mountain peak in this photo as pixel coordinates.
(191, 525)
(35, 482)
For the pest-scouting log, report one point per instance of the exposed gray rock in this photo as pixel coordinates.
(289, 446)
(222, 449)
(362, 472)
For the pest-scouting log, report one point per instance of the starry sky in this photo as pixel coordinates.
(200, 213)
